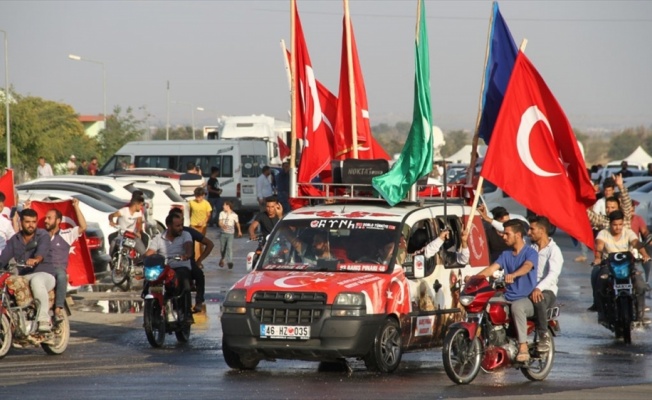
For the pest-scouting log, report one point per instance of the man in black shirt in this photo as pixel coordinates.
(214, 193)
(267, 220)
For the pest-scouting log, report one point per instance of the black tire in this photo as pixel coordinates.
(61, 331)
(183, 333)
(386, 352)
(119, 268)
(625, 311)
(540, 365)
(461, 356)
(154, 323)
(236, 361)
(6, 336)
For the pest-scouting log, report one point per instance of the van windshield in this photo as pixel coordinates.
(332, 245)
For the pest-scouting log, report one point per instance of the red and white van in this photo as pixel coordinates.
(300, 302)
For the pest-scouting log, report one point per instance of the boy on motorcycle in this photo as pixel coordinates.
(31, 247)
(130, 218)
(172, 242)
(520, 266)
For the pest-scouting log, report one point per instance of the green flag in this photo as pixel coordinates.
(416, 157)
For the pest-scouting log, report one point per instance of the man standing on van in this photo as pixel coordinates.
(264, 187)
(214, 193)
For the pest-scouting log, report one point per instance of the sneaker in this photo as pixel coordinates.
(580, 259)
(44, 327)
(593, 308)
(199, 307)
(544, 343)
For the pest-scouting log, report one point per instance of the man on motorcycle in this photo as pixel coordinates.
(520, 268)
(172, 242)
(616, 239)
(31, 247)
(130, 218)
(549, 267)
(61, 241)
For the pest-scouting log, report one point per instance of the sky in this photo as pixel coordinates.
(225, 56)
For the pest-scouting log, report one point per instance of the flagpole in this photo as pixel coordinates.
(478, 189)
(349, 56)
(293, 107)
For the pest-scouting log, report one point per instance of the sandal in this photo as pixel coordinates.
(523, 356)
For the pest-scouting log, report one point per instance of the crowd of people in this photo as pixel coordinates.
(44, 169)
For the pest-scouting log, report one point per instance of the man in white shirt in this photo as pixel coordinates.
(549, 267)
(71, 165)
(44, 169)
(264, 187)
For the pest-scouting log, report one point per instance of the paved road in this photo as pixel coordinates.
(109, 357)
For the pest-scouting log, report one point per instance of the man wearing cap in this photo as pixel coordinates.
(72, 165)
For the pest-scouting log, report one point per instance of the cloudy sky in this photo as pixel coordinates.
(224, 56)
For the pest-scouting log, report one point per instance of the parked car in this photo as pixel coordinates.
(172, 183)
(96, 244)
(158, 172)
(76, 188)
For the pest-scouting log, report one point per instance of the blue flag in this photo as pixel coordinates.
(500, 62)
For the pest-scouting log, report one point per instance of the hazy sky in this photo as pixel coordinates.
(224, 55)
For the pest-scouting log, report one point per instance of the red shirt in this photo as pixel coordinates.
(638, 223)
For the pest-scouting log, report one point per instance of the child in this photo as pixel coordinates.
(200, 212)
(228, 222)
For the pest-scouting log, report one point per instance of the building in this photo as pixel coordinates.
(93, 124)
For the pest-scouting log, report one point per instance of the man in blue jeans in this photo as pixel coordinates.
(520, 268)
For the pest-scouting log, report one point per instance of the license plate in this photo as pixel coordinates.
(623, 286)
(284, 332)
(248, 190)
(129, 243)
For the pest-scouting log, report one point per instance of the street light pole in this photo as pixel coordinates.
(7, 99)
(78, 58)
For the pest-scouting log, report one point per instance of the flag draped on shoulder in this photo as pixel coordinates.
(312, 100)
(80, 265)
(534, 156)
(500, 62)
(415, 160)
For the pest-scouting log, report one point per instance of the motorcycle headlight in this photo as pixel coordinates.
(153, 272)
(466, 300)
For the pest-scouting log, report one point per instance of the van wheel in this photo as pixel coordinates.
(385, 354)
(237, 361)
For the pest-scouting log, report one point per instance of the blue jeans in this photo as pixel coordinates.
(226, 247)
(61, 277)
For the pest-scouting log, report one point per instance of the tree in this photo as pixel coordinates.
(455, 140)
(176, 133)
(43, 128)
(120, 129)
(622, 145)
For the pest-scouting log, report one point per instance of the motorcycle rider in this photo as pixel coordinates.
(616, 239)
(197, 267)
(548, 269)
(61, 241)
(172, 242)
(520, 266)
(130, 218)
(31, 246)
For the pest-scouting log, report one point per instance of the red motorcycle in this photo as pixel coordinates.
(167, 304)
(18, 324)
(487, 339)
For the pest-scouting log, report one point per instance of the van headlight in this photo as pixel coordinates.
(349, 305)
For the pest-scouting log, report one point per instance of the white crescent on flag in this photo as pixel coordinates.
(529, 118)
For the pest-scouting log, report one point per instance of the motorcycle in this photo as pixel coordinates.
(18, 324)
(252, 257)
(167, 305)
(486, 338)
(621, 308)
(125, 263)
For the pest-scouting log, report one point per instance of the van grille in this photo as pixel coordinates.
(289, 308)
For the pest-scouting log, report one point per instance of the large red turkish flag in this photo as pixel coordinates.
(80, 264)
(534, 156)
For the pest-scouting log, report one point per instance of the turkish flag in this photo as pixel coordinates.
(534, 156)
(283, 149)
(7, 188)
(80, 264)
(368, 147)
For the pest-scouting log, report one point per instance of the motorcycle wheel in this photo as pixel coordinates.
(236, 361)
(540, 365)
(6, 336)
(154, 323)
(461, 356)
(385, 354)
(119, 269)
(624, 311)
(61, 331)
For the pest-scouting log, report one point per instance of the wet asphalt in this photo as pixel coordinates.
(109, 357)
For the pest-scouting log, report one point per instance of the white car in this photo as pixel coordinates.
(93, 210)
(159, 198)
